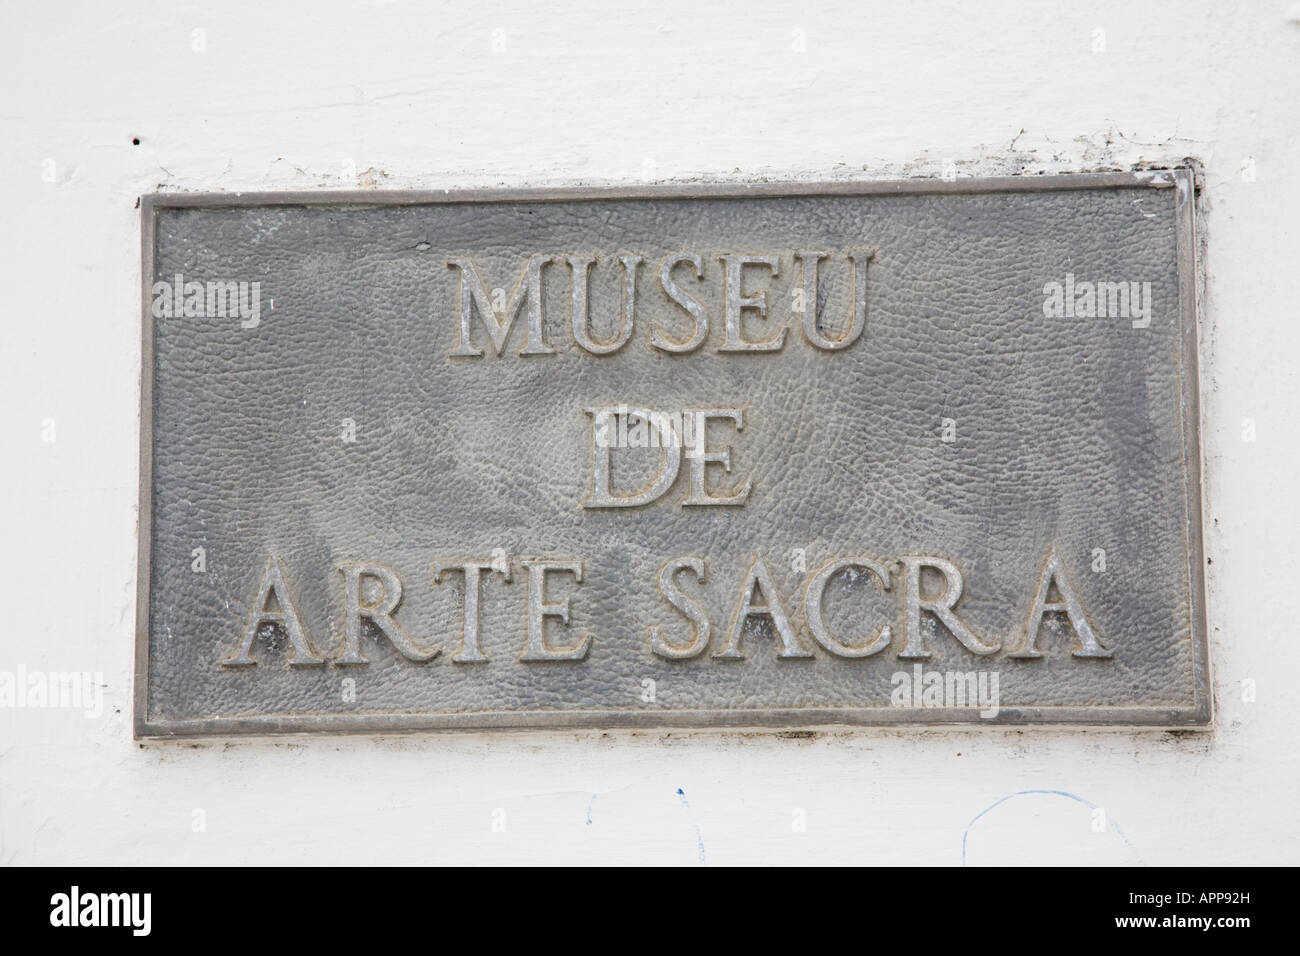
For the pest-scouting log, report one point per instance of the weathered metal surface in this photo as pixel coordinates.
(395, 472)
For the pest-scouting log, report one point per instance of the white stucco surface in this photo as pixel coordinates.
(400, 95)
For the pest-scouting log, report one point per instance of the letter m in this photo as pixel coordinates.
(474, 293)
(65, 690)
(119, 905)
(962, 689)
(1112, 297)
(222, 299)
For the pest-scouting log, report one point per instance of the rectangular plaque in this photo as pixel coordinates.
(778, 455)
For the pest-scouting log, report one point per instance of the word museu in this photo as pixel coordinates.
(499, 310)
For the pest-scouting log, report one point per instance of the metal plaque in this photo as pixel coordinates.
(778, 455)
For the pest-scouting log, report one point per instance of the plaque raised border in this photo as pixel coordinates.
(1197, 716)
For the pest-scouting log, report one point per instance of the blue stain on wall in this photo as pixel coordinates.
(699, 836)
(1023, 793)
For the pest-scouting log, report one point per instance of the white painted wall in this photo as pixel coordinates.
(317, 94)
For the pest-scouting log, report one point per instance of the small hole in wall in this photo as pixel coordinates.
(135, 141)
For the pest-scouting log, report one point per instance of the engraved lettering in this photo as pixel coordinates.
(817, 624)
(539, 610)
(473, 292)
(379, 613)
(700, 458)
(737, 301)
(812, 311)
(941, 607)
(580, 266)
(285, 615)
(469, 652)
(690, 608)
(1068, 605)
(758, 579)
(687, 302)
(670, 459)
